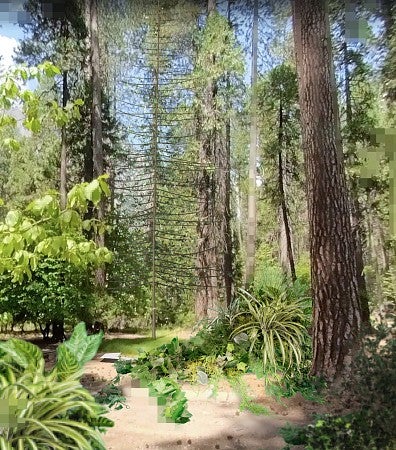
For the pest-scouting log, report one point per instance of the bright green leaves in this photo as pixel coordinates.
(45, 206)
(43, 229)
(49, 69)
(171, 400)
(11, 143)
(49, 409)
(83, 193)
(73, 354)
(66, 365)
(12, 218)
(23, 354)
(34, 110)
(82, 346)
(92, 192)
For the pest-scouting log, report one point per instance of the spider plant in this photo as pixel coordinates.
(276, 325)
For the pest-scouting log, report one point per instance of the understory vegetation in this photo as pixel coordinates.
(369, 396)
(49, 408)
(222, 169)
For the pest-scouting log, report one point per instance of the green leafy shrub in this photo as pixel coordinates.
(111, 396)
(214, 333)
(293, 381)
(158, 370)
(49, 409)
(171, 400)
(275, 324)
(372, 390)
(56, 289)
(353, 431)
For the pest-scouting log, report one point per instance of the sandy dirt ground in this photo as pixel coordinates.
(216, 422)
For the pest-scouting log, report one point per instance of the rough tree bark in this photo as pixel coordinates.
(228, 268)
(337, 313)
(207, 277)
(285, 227)
(214, 246)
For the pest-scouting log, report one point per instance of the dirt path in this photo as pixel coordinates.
(216, 423)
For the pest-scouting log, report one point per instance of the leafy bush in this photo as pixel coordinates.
(158, 370)
(372, 384)
(275, 324)
(214, 333)
(171, 400)
(372, 389)
(111, 396)
(353, 431)
(293, 381)
(44, 409)
(56, 290)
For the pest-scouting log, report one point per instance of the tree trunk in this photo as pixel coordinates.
(63, 161)
(285, 218)
(356, 211)
(213, 230)
(337, 313)
(154, 162)
(96, 126)
(58, 330)
(252, 200)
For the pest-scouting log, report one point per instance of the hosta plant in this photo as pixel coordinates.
(275, 324)
(49, 409)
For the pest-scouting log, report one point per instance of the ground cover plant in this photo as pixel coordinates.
(49, 408)
(222, 349)
(371, 395)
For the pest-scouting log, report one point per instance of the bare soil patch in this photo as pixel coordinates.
(216, 422)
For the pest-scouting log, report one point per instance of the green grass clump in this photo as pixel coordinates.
(247, 402)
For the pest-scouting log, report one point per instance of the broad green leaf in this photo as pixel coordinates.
(82, 346)
(66, 363)
(92, 192)
(23, 353)
(103, 185)
(49, 69)
(12, 218)
(7, 121)
(33, 124)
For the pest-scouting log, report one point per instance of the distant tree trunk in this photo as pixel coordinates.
(58, 330)
(356, 210)
(228, 268)
(154, 163)
(213, 205)
(281, 184)
(88, 154)
(337, 313)
(252, 201)
(96, 125)
(63, 161)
